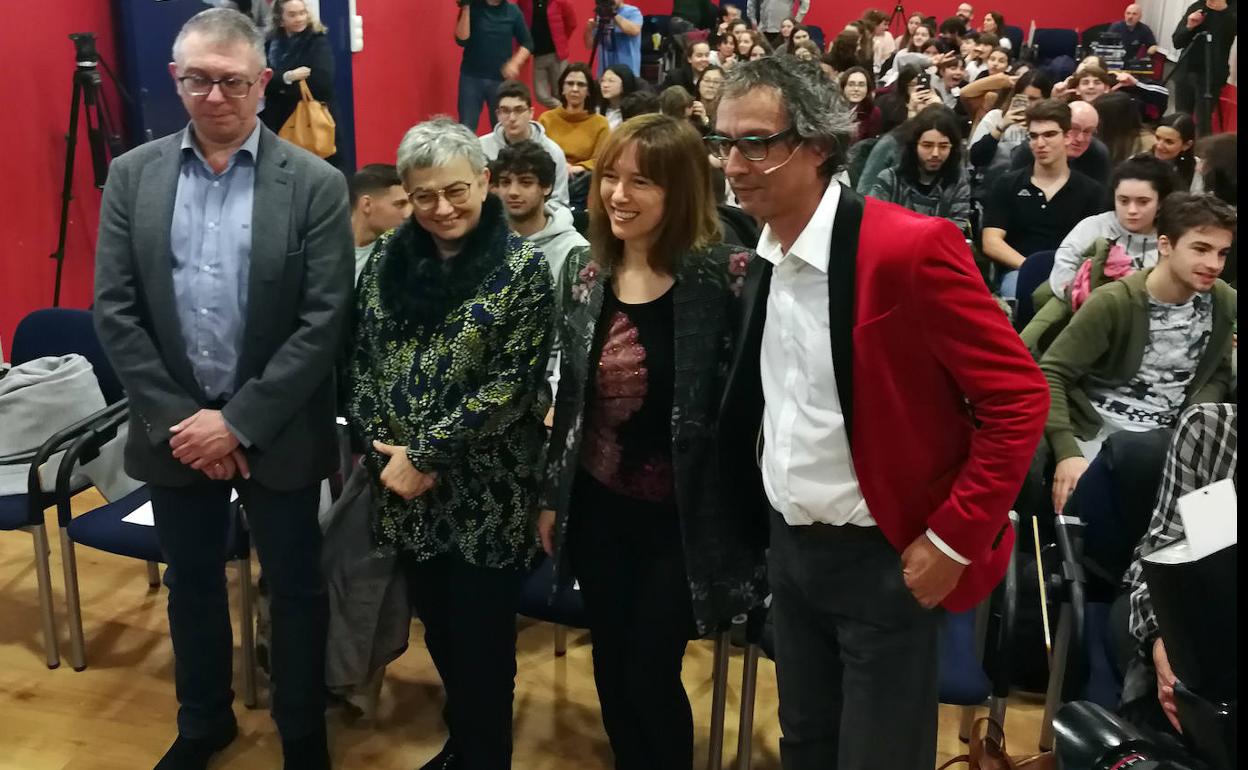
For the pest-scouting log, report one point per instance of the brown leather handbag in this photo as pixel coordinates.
(987, 751)
(310, 126)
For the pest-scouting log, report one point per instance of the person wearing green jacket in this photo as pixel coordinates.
(1145, 347)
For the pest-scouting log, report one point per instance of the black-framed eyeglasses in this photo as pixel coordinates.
(752, 148)
(201, 85)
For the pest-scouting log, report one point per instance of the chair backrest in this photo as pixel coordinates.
(963, 681)
(59, 332)
(1052, 43)
(816, 35)
(652, 25)
(1035, 271)
(1015, 36)
(1092, 34)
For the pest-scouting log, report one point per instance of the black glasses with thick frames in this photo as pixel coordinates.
(752, 148)
(233, 87)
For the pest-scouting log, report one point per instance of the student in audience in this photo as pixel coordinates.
(1031, 210)
(617, 82)
(297, 51)
(759, 51)
(622, 43)
(806, 50)
(866, 38)
(906, 99)
(799, 35)
(1120, 127)
(768, 16)
(886, 500)
(703, 115)
(787, 25)
(551, 28)
(576, 126)
(997, 63)
(516, 124)
(858, 88)
(231, 385)
(1091, 82)
(1135, 35)
(966, 12)
(639, 103)
(637, 508)
(977, 64)
(994, 24)
(913, 22)
(523, 177)
(930, 179)
(1218, 19)
(885, 154)
(882, 43)
(1128, 233)
(951, 76)
(951, 31)
(1145, 347)
(724, 50)
(1174, 141)
(378, 204)
(487, 30)
(697, 59)
(675, 102)
(1217, 173)
(446, 386)
(1002, 128)
(1084, 152)
(1203, 450)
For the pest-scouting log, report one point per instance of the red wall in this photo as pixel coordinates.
(35, 90)
(409, 67)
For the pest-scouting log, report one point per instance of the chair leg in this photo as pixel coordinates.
(73, 603)
(749, 685)
(966, 723)
(153, 574)
(1057, 676)
(561, 640)
(43, 576)
(248, 633)
(719, 697)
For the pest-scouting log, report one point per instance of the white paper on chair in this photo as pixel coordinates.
(1209, 521)
(142, 515)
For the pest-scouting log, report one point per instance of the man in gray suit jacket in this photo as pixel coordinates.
(223, 279)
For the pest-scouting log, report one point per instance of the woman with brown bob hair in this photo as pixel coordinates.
(637, 506)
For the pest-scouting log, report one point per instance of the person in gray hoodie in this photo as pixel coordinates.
(1139, 186)
(516, 124)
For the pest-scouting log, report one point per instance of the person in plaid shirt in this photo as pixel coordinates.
(1204, 449)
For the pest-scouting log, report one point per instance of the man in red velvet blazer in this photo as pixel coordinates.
(899, 414)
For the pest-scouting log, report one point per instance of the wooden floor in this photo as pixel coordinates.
(118, 714)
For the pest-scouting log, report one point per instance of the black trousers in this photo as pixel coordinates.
(856, 655)
(630, 564)
(193, 525)
(469, 614)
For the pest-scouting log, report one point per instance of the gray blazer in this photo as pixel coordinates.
(297, 305)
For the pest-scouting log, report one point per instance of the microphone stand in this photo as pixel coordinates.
(1204, 111)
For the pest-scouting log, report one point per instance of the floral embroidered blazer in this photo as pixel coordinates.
(723, 549)
(449, 359)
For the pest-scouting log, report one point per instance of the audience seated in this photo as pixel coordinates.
(858, 88)
(1031, 210)
(930, 179)
(698, 58)
(378, 204)
(1136, 37)
(1174, 141)
(1120, 127)
(994, 24)
(617, 82)
(576, 127)
(516, 124)
(806, 51)
(1084, 152)
(1217, 172)
(1001, 130)
(1203, 450)
(883, 45)
(703, 109)
(906, 98)
(1145, 347)
(723, 50)
(977, 63)
(951, 76)
(675, 102)
(638, 103)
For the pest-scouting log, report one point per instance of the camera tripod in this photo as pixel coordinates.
(1205, 101)
(102, 137)
(606, 17)
(899, 12)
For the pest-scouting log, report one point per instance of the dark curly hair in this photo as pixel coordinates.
(933, 118)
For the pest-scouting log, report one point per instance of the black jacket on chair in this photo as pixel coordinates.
(307, 49)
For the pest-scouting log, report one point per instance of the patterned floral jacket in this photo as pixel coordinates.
(449, 359)
(723, 552)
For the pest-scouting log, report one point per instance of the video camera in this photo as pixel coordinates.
(605, 9)
(84, 48)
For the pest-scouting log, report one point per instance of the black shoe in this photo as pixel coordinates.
(311, 752)
(446, 759)
(194, 753)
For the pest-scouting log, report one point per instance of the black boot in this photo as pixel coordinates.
(311, 752)
(194, 753)
(446, 759)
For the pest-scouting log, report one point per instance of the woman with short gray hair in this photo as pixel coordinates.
(447, 393)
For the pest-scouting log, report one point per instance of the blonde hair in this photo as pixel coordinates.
(275, 28)
(670, 154)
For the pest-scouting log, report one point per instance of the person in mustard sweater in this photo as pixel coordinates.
(577, 127)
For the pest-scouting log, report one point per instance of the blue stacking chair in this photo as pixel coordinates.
(1015, 36)
(816, 35)
(1052, 43)
(51, 332)
(105, 529)
(565, 608)
(1035, 271)
(974, 661)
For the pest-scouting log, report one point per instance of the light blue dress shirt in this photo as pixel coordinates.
(211, 244)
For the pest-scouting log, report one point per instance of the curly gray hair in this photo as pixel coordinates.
(436, 142)
(221, 25)
(818, 113)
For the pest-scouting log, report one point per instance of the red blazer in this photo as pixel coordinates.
(562, 18)
(943, 403)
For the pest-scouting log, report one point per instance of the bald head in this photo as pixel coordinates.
(1084, 121)
(1132, 15)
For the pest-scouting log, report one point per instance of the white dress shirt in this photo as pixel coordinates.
(808, 472)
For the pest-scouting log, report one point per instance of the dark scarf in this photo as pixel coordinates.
(289, 51)
(420, 288)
